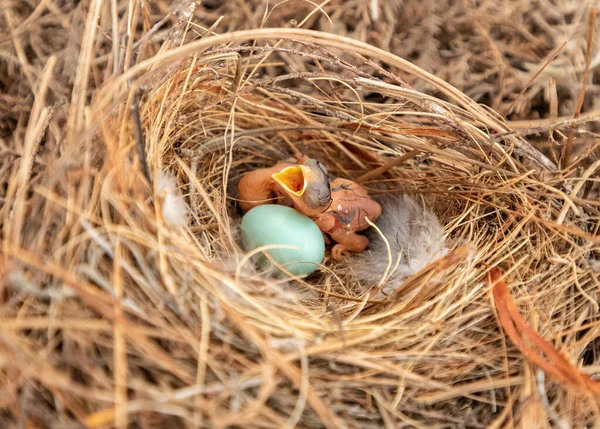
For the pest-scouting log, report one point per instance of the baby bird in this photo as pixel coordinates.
(304, 186)
(347, 214)
(339, 207)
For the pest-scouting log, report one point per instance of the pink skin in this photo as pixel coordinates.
(258, 187)
(346, 215)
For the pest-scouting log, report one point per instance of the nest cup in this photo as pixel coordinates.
(322, 351)
(245, 108)
(248, 108)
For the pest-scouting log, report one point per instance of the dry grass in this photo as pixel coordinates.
(109, 316)
(488, 49)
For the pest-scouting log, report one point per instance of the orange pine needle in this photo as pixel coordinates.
(554, 363)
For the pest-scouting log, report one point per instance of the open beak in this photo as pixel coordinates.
(294, 179)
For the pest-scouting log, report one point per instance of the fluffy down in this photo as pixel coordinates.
(174, 209)
(415, 236)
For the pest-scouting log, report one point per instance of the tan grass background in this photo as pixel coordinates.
(110, 316)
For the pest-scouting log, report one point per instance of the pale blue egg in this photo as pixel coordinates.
(272, 224)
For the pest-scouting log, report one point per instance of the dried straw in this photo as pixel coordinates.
(113, 315)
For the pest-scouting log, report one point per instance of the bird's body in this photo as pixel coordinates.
(258, 187)
(347, 214)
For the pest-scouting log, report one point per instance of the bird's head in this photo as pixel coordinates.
(307, 185)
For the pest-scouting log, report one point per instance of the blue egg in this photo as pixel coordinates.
(272, 224)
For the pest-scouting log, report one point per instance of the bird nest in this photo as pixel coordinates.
(149, 311)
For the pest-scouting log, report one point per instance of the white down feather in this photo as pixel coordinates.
(415, 236)
(174, 209)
